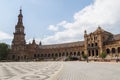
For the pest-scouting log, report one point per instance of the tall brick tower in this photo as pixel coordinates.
(19, 43)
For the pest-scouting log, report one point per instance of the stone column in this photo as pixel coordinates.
(91, 53)
(95, 52)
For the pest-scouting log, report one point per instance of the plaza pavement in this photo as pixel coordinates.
(29, 70)
(59, 71)
(89, 71)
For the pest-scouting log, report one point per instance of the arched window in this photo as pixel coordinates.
(59, 54)
(82, 52)
(63, 54)
(18, 57)
(96, 44)
(13, 56)
(66, 53)
(95, 37)
(52, 55)
(92, 52)
(88, 45)
(96, 52)
(34, 55)
(118, 49)
(108, 51)
(70, 53)
(25, 57)
(113, 50)
(38, 55)
(45, 55)
(56, 55)
(92, 44)
(21, 57)
(89, 52)
(78, 54)
(48, 55)
(41, 55)
(74, 53)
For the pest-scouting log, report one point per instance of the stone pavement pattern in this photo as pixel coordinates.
(89, 71)
(59, 71)
(28, 70)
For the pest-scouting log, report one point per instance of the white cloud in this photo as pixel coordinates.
(53, 28)
(100, 12)
(4, 36)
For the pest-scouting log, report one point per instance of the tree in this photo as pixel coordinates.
(84, 56)
(4, 49)
(103, 55)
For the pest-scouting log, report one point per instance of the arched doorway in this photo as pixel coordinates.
(96, 44)
(48, 55)
(18, 57)
(97, 53)
(25, 57)
(92, 45)
(63, 54)
(89, 53)
(41, 55)
(74, 53)
(59, 54)
(108, 51)
(35, 55)
(78, 54)
(52, 55)
(66, 53)
(113, 50)
(118, 49)
(82, 52)
(70, 53)
(21, 57)
(56, 55)
(92, 52)
(45, 55)
(13, 57)
(38, 55)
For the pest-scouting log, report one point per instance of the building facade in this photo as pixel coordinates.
(93, 45)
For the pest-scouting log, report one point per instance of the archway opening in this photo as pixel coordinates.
(97, 53)
(13, 57)
(113, 50)
(70, 53)
(74, 53)
(78, 54)
(118, 49)
(92, 52)
(108, 51)
(67, 54)
(59, 54)
(56, 55)
(89, 53)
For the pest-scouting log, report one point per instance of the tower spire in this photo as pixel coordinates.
(20, 16)
(20, 11)
(19, 35)
(19, 27)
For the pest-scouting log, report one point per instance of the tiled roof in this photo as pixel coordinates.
(72, 44)
(116, 37)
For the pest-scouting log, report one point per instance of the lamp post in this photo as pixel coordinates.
(87, 55)
(117, 58)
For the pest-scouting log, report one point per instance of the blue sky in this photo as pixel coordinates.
(57, 21)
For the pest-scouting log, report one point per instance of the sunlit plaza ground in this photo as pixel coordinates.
(59, 71)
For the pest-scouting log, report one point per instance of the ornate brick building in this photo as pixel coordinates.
(93, 45)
